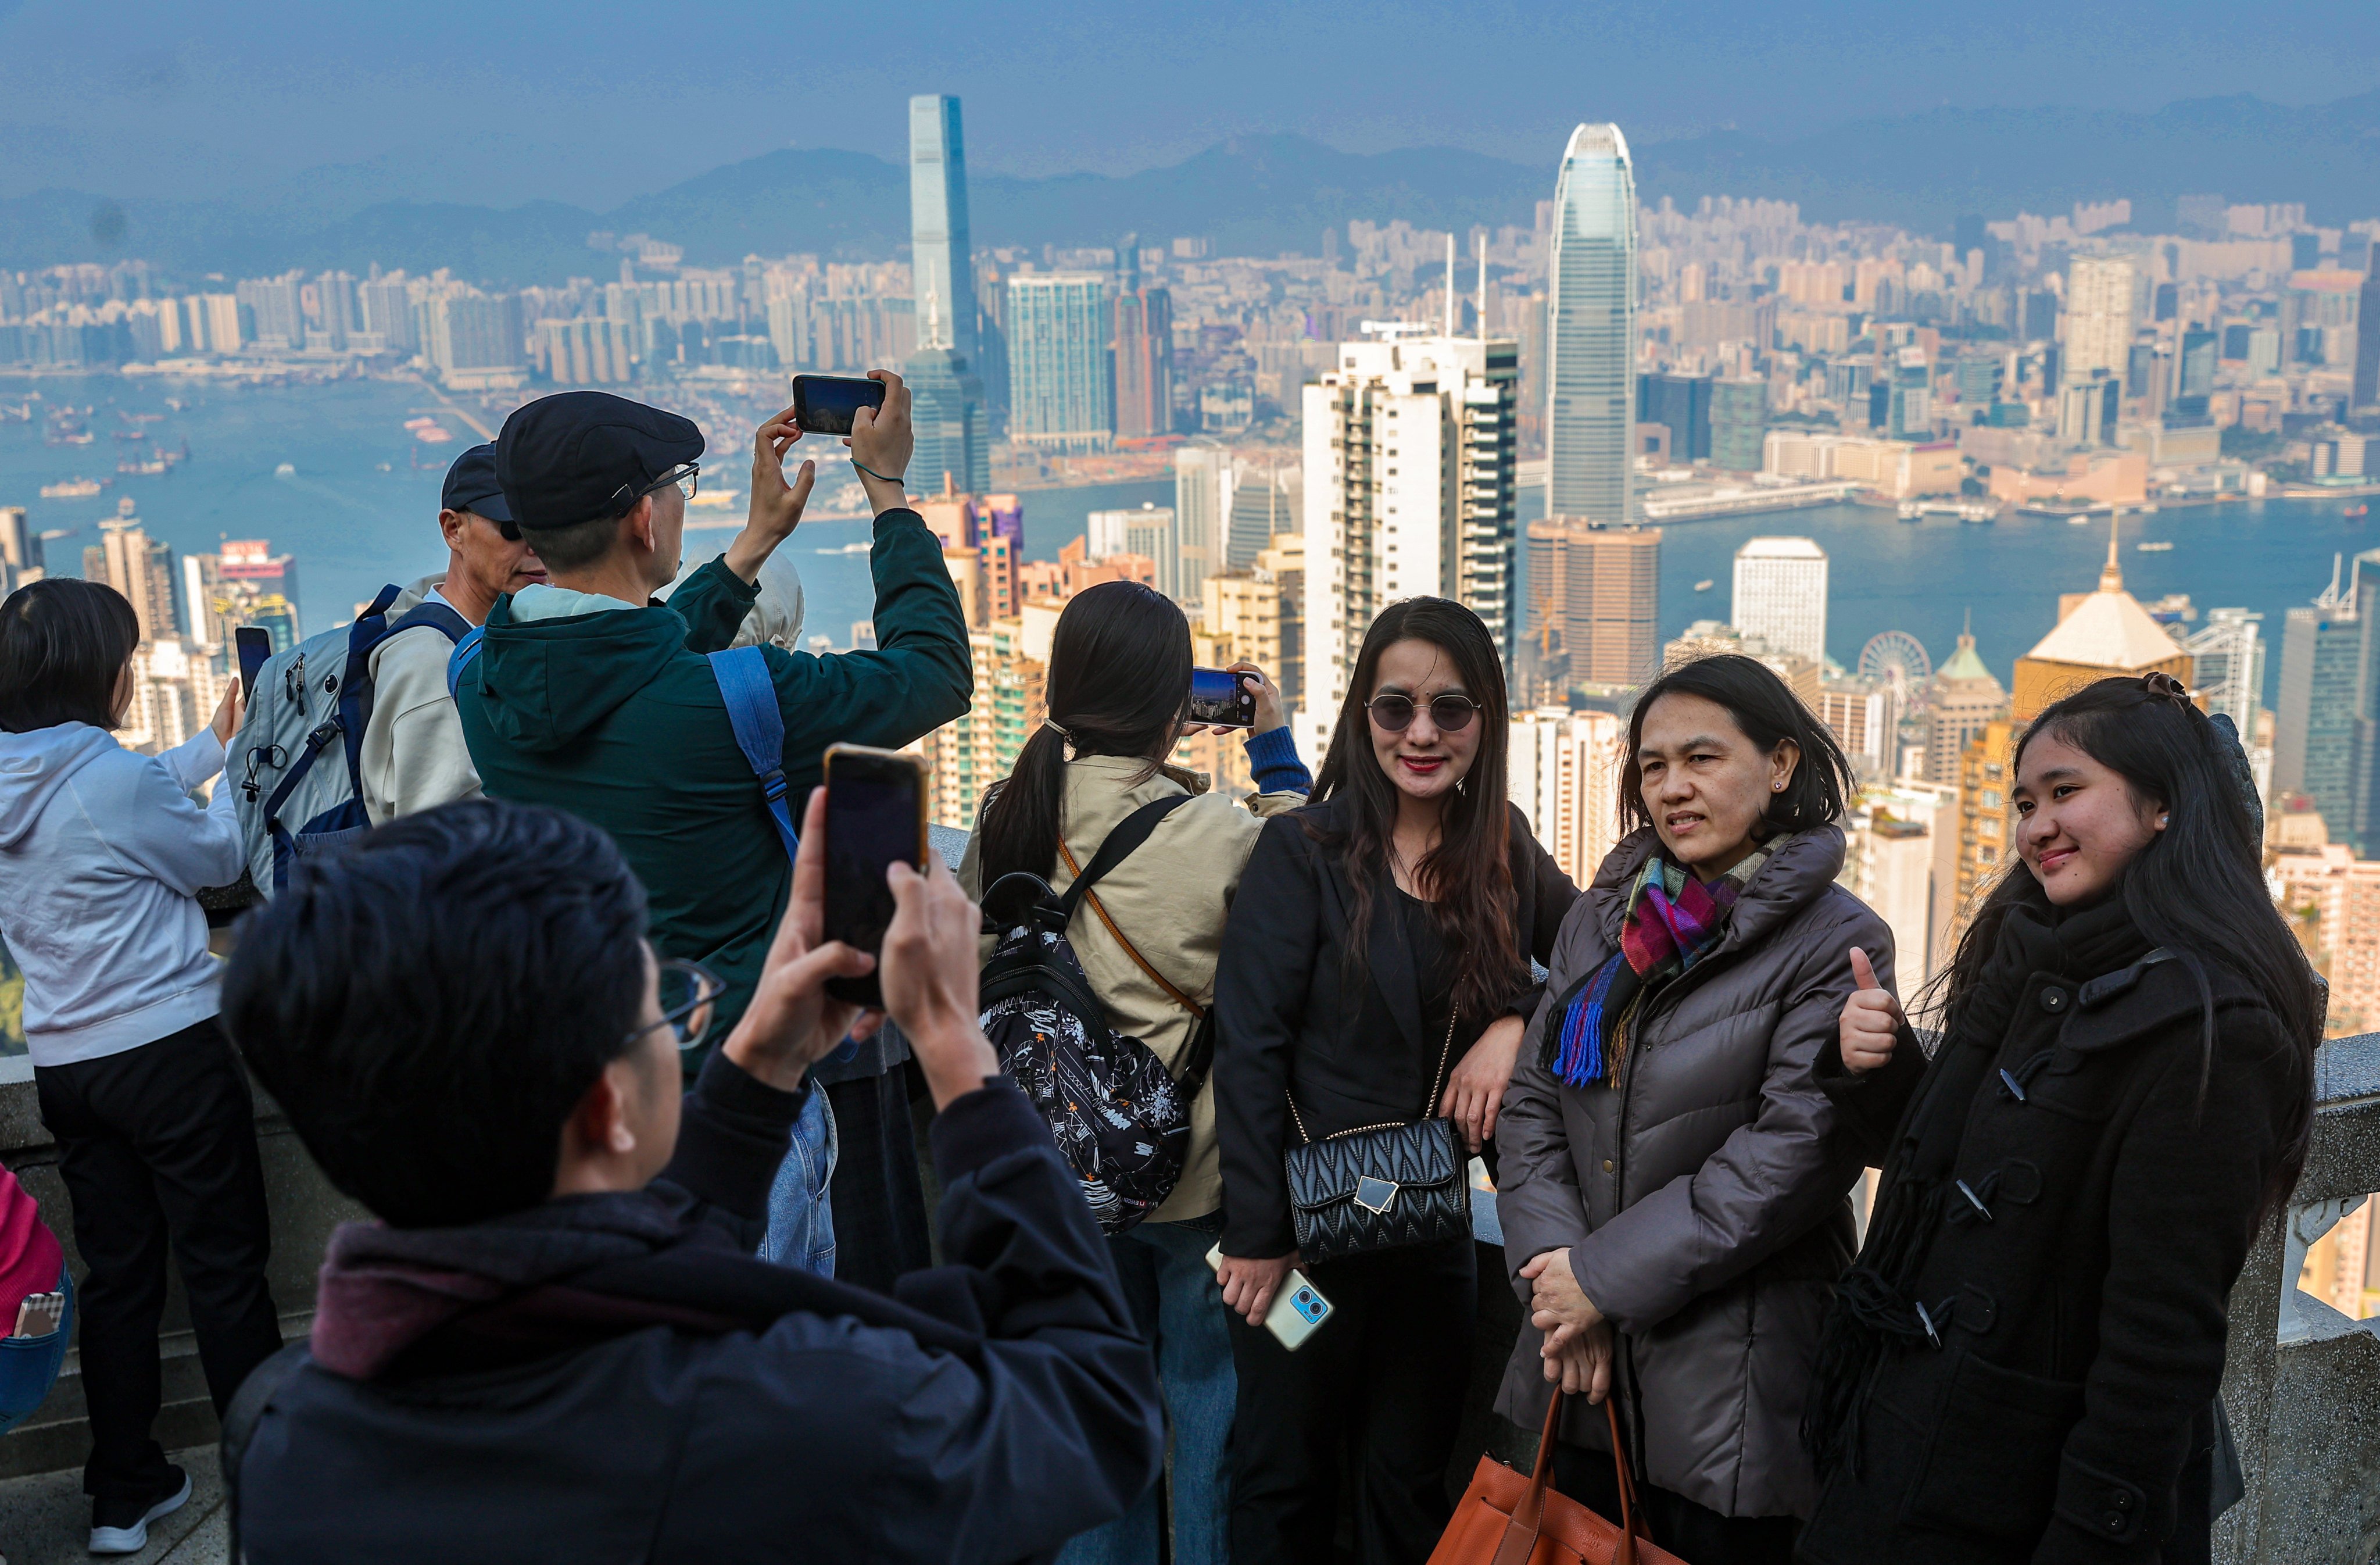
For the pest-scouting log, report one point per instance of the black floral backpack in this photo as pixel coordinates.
(1121, 1119)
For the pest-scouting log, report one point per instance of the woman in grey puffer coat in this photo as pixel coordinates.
(1672, 1196)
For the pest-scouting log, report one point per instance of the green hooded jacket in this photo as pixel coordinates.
(615, 716)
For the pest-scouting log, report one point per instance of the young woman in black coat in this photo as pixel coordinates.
(1377, 933)
(2023, 1364)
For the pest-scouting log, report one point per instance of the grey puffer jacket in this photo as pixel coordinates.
(1705, 1203)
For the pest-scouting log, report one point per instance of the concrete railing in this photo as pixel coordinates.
(2301, 1386)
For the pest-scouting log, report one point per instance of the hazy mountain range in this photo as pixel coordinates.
(1254, 195)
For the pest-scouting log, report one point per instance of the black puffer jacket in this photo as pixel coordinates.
(2101, 1204)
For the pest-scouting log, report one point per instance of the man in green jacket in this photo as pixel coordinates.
(587, 695)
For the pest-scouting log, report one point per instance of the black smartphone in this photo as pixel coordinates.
(255, 644)
(875, 815)
(1217, 697)
(824, 404)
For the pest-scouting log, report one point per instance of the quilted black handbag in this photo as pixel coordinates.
(1379, 1187)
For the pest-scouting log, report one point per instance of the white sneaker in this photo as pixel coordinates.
(134, 1538)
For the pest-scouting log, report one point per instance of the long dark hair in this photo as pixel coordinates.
(1119, 684)
(1469, 873)
(1769, 713)
(63, 645)
(2197, 889)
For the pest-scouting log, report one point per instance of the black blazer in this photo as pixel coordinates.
(1286, 1022)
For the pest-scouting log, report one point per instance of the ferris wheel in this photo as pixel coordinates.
(1895, 658)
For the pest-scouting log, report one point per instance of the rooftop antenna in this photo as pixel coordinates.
(1481, 322)
(1450, 282)
(933, 319)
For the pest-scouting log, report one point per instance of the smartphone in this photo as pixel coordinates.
(1298, 1310)
(1217, 697)
(255, 644)
(875, 815)
(824, 404)
(40, 1313)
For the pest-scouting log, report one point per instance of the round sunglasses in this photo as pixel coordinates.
(1450, 714)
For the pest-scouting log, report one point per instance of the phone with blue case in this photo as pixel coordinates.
(1298, 1310)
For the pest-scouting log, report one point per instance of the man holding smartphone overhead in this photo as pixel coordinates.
(584, 694)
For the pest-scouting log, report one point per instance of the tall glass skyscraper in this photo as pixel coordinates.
(1058, 389)
(1591, 332)
(940, 268)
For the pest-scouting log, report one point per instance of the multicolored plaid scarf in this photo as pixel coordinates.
(1673, 921)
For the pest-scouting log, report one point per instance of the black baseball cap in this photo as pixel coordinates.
(471, 486)
(582, 456)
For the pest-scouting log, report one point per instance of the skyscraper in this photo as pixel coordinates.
(947, 412)
(1594, 602)
(2367, 339)
(1201, 481)
(1144, 349)
(1780, 595)
(2099, 316)
(1591, 332)
(2229, 666)
(1739, 414)
(2323, 726)
(941, 269)
(1058, 387)
(1411, 453)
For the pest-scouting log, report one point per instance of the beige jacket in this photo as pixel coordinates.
(414, 757)
(1170, 899)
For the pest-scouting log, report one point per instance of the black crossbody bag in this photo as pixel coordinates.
(1379, 1187)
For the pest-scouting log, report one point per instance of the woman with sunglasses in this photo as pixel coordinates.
(1672, 1193)
(1376, 972)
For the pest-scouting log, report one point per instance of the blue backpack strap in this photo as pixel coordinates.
(430, 611)
(751, 697)
(465, 650)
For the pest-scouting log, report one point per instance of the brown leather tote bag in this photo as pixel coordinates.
(1506, 1519)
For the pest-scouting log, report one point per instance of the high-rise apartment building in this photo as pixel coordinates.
(143, 572)
(1058, 387)
(1963, 700)
(1564, 771)
(1591, 333)
(1202, 478)
(941, 269)
(1780, 596)
(1594, 602)
(1260, 502)
(2324, 725)
(275, 311)
(2228, 662)
(1410, 460)
(2099, 316)
(2366, 391)
(1144, 351)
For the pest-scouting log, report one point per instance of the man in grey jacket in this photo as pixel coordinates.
(414, 757)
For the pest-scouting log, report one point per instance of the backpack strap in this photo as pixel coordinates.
(465, 650)
(430, 611)
(239, 1420)
(751, 697)
(1128, 835)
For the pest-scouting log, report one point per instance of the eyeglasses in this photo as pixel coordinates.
(690, 996)
(1393, 713)
(687, 479)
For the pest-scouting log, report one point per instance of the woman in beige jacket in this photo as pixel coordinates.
(1118, 690)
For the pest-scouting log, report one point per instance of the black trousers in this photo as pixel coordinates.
(155, 1144)
(1689, 1530)
(1378, 1388)
(879, 1199)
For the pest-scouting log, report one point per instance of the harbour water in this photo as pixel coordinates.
(328, 473)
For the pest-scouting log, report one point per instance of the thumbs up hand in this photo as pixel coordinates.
(1872, 1020)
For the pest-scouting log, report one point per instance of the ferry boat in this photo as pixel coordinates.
(72, 489)
(2154, 546)
(138, 469)
(1705, 585)
(1910, 511)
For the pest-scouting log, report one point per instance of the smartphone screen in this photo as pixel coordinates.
(824, 404)
(255, 644)
(1216, 696)
(875, 815)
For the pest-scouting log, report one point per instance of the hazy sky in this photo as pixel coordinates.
(596, 101)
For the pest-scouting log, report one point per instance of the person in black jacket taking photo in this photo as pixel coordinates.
(2023, 1364)
(1375, 975)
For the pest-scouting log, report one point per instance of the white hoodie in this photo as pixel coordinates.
(101, 852)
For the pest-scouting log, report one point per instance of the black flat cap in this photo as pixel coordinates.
(583, 456)
(471, 486)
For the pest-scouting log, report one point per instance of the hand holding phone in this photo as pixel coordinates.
(875, 818)
(1298, 1308)
(255, 646)
(1220, 698)
(826, 404)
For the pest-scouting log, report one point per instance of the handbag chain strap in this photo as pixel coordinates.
(1445, 1053)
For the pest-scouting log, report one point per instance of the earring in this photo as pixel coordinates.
(2161, 820)
(1776, 788)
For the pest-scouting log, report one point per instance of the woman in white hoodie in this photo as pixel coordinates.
(101, 853)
